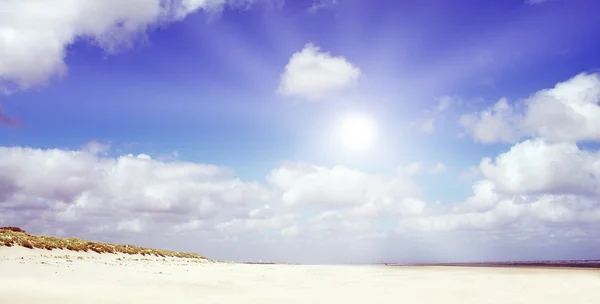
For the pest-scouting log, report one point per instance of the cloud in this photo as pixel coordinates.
(96, 148)
(314, 75)
(534, 188)
(567, 112)
(322, 4)
(80, 190)
(427, 126)
(303, 184)
(531, 218)
(444, 103)
(34, 36)
(8, 121)
(538, 167)
(545, 187)
(496, 124)
(529, 192)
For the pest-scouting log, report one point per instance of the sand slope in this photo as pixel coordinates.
(42, 276)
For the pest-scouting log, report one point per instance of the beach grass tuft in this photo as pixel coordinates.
(15, 236)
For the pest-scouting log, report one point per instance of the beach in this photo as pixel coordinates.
(62, 276)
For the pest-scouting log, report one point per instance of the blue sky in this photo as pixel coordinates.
(206, 86)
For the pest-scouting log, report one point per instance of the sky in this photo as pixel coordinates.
(310, 131)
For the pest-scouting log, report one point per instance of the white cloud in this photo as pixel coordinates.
(79, 187)
(248, 225)
(496, 124)
(314, 75)
(538, 167)
(302, 184)
(96, 148)
(34, 35)
(322, 4)
(530, 218)
(444, 103)
(428, 124)
(336, 224)
(484, 198)
(567, 112)
(134, 225)
(87, 194)
(535, 189)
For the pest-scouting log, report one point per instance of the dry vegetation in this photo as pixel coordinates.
(14, 236)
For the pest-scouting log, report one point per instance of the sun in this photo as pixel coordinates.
(357, 132)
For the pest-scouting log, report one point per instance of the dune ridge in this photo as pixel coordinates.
(15, 236)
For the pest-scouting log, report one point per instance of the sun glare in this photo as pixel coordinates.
(357, 132)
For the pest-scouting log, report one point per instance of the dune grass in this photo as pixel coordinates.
(15, 236)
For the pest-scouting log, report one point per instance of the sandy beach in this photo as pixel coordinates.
(62, 276)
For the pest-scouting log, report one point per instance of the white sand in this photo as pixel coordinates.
(39, 276)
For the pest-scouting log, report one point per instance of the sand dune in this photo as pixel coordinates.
(63, 276)
(13, 236)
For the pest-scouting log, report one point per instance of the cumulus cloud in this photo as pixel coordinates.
(567, 112)
(531, 217)
(543, 190)
(537, 167)
(302, 184)
(314, 75)
(133, 191)
(534, 189)
(499, 123)
(79, 189)
(34, 35)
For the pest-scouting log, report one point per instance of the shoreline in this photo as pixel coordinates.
(583, 264)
